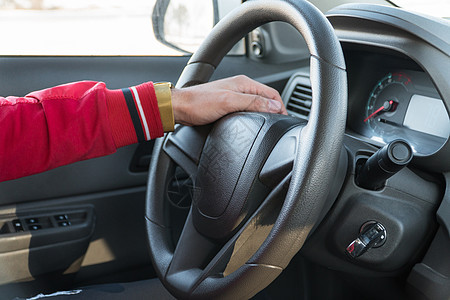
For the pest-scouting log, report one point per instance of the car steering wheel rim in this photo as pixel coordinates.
(187, 270)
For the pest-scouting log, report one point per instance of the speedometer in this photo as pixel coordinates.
(405, 105)
(383, 108)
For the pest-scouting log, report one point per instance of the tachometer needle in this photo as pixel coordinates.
(386, 106)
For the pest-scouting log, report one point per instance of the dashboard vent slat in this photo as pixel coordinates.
(300, 100)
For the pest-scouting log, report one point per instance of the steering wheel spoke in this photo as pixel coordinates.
(192, 254)
(184, 147)
(281, 160)
(197, 258)
(249, 238)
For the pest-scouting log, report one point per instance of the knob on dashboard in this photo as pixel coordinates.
(383, 164)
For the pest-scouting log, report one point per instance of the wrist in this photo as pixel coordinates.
(180, 106)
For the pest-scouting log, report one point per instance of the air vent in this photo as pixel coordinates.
(300, 100)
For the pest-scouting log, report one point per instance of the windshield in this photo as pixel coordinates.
(437, 8)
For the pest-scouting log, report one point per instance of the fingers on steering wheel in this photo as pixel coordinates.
(257, 103)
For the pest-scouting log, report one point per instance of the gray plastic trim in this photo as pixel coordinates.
(434, 31)
(443, 213)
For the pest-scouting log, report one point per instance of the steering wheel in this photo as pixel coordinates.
(261, 180)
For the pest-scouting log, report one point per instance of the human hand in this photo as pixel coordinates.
(205, 103)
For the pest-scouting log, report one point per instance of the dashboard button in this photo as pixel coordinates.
(64, 224)
(32, 220)
(60, 217)
(35, 227)
(17, 225)
(401, 152)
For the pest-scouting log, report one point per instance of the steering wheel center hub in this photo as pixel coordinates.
(222, 162)
(227, 187)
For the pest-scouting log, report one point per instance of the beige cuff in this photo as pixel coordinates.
(164, 98)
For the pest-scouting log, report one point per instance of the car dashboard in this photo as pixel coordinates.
(398, 67)
(397, 80)
(403, 59)
(395, 99)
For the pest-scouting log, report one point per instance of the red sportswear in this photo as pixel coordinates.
(68, 123)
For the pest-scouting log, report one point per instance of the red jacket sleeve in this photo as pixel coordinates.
(73, 122)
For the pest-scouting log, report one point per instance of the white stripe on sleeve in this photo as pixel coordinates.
(141, 112)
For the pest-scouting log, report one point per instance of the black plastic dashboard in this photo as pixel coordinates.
(398, 67)
(390, 97)
(403, 58)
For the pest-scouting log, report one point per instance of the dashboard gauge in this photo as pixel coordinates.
(388, 97)
(406, 105)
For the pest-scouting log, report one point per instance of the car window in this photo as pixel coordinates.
(437, 8)
(92, 27)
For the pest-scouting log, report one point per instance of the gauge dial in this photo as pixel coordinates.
(387, 103)
(384, 101)
(406, 106)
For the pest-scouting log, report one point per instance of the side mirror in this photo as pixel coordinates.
(183, 25)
